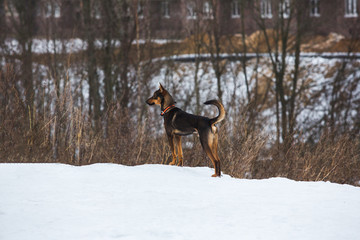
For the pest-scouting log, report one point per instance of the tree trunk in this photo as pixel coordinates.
(93, 81)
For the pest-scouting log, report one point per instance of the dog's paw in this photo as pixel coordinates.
(215, 175)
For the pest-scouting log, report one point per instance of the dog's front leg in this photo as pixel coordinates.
(179, 150)
(172, 147)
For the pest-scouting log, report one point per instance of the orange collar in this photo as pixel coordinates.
(166, 110)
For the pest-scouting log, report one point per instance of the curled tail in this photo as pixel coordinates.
(221, 115)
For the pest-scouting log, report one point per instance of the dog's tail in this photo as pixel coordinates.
(221, 108)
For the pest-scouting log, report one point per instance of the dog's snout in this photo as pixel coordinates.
(149, 101)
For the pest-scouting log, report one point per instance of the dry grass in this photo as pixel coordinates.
(335, 159)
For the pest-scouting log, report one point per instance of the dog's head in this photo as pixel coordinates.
(158, 96)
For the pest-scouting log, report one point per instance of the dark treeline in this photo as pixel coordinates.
(78, 96)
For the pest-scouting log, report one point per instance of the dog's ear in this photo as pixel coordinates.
(162, 89)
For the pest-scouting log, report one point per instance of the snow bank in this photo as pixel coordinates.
(73, 45)
(107, 201)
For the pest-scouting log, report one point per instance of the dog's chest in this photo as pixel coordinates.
(179, 124)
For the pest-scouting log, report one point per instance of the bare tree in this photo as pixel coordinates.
(254, 103)
(22, 17)
(126, 33)
(93, 78)
(214, 47)
(283, 38)
(197, 28)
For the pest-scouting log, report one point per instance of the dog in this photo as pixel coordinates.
(180, 123)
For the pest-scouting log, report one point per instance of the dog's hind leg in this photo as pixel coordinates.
(179, 150)
(214, 150)
(172, 148)
(215, 163)
(207, 142)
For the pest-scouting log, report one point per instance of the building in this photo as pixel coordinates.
(180, 18)
(322, 16)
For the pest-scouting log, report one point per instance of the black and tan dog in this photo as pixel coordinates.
(179, 123)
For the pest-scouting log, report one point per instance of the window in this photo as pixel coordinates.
(235, 9)
(140, 10)
(52, 9)
(265, 9)
(315, 8)
(96, 13)
(207, 10)
(284, 8)
(165, 9)
(350, 8)
(191, 13)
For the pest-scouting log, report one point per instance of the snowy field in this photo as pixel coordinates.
(107, 201)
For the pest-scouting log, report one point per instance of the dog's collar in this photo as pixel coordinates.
(166, 110)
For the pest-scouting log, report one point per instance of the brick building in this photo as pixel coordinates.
(173, 17)
(179, 18)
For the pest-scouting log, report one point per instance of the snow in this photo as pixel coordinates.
(108, 201)
(206, 56)
(73, 45)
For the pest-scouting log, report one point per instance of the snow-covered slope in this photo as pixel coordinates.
(107, 201)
